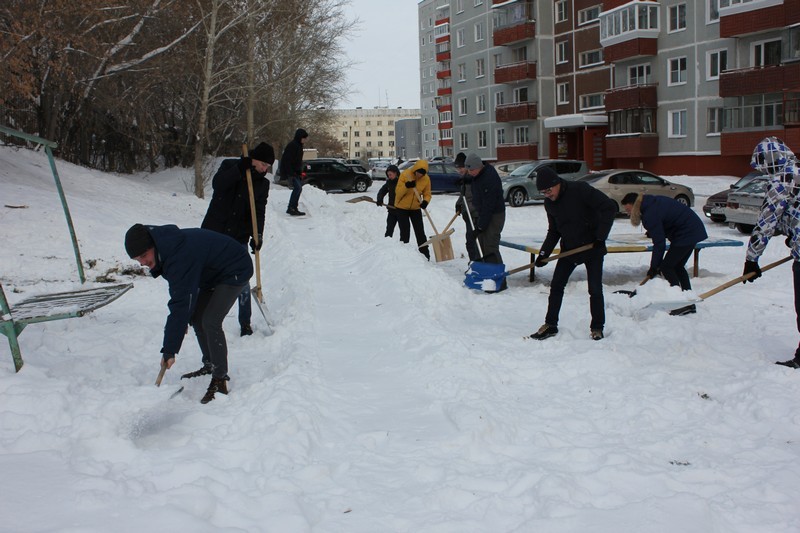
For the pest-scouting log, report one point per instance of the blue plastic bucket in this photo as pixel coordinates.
(485, 276)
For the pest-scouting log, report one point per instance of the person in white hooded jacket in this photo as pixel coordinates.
(780, 213)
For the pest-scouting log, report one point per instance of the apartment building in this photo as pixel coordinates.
(671, 86)
(373, 132)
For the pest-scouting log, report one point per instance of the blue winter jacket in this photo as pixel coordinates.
(665, 218)
(192, 260)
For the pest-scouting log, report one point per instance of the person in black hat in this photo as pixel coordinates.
(229, 209)
(388, 188)
(489, 215)
(577, 214)
(206, 272)
(291, 169)
(465, 199)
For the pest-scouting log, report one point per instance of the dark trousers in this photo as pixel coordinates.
(407, 218)
(490, 239)
(297, 188)
(472, 248)
(796, 278)
(673, 267)
(245, 310)
(212, 306)
(391, 222)
(594, 276)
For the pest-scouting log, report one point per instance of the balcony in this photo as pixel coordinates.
(632, 145)
(631, 97)
(443, 56)
(744, 19)
(759, 80)
(446, 142)
(442, 91)
(509, 152)
(442, 74)
(633, 48)
(513, 34)
(524, 70)
(516, 112)
(446, 125)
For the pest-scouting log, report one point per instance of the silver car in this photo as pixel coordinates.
(617, 183)
(520, 185)
(744, 205)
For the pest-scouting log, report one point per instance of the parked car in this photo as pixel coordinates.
(378, 170)
(330, 175)
(520, 185)
(744, 204)
(358, 167)
(507, 167)
(617, 183)
(714, 207)
(443, 175)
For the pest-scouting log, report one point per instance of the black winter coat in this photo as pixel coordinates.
(487, 196)
(388, 188)
(229, 209)
(292, 157)
(580, 215)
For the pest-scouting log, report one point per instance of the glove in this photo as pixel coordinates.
(540, 261)
(253, 246)
(245, 163)
(168, 359)
(379, 203)
(423, 204)
(600, 246)
(477, 232)
(652, 272)
(411, 184)
(788, 242)
(751, 266)
(458, 206)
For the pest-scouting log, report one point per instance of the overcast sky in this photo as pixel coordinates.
(386, 55)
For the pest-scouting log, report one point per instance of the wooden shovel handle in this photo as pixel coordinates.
(255, 226)
(742, 278)
(161, 372)
(447, 227)
(568, 253)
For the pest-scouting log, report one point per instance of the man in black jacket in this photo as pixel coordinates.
(291, 169)
(229, 209)
(464, 203)
(388, 188)
(577, 214)
(489, 216)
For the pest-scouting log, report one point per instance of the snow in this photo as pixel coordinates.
(391, 397)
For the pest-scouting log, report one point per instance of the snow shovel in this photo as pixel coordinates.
(255, 292)
(447, 231)
(487, 277)
(360, 199)
(683, 310)
(631, 294)
(442, 247)
(161, 376)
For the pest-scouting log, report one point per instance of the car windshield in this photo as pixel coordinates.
(745, 180)
(523, 170)
(757, 186)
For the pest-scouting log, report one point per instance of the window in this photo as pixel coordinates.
(380, 133)
(561, 52)
(592, 101)
(357, 133)
(639, 75)
(357, 144)
(478, 3)
(479, 33)
(519, 54)
(499, 98)
(677, 123)
(766, 53)
(462, 72)
(498, 60)
(463, 140)
(635, 17)
(677, 17)
(462, 107)
(501, 136)
(716, 63)
(563, 93)
(344, 134)
(447, 116)
(591, 58)
(713, 11)
(459, 37)
(631, 121)
(480, 68)
(480, 103)
(585, 16)
(715, 115)
(380, 143)
(677, 71)
(369, 144)
(482, 139)
(459, 6)
(521, 135)
(561, 10)
(520, 95)
(369, 134)
(447, 134)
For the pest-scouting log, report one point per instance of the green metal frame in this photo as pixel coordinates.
(48, 146)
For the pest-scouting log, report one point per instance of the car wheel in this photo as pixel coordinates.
(361, 186)
(683, 200)
(517, 197)
(745, 228)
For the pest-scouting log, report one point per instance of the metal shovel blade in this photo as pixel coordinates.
(262, 306)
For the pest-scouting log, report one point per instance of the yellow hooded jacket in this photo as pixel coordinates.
(406, 198)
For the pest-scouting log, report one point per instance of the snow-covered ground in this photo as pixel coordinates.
(390, 398)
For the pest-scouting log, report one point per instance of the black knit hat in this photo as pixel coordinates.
(138, 241)
(263, 152)
(546, 177)
(460, 159)
(392, 168)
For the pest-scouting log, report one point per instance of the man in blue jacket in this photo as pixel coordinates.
(664, 218)
(206, 272)
(577, 214)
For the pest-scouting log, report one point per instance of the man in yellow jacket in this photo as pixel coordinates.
(412, 194)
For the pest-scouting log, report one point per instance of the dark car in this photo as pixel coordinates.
(443, 175)
(744, 204)
(714, 208)
(330, 175)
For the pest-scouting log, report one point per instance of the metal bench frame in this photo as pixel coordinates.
(48, 307)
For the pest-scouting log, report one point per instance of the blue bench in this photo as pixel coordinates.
(617, 244)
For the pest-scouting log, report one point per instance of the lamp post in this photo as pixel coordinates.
(350, 142)
(437, 102)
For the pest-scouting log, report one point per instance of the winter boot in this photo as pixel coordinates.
(246, 330)
(206, 370)
(217, 385)
(295, 212)
(544, 332)
(791, 363)
(597, 334)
